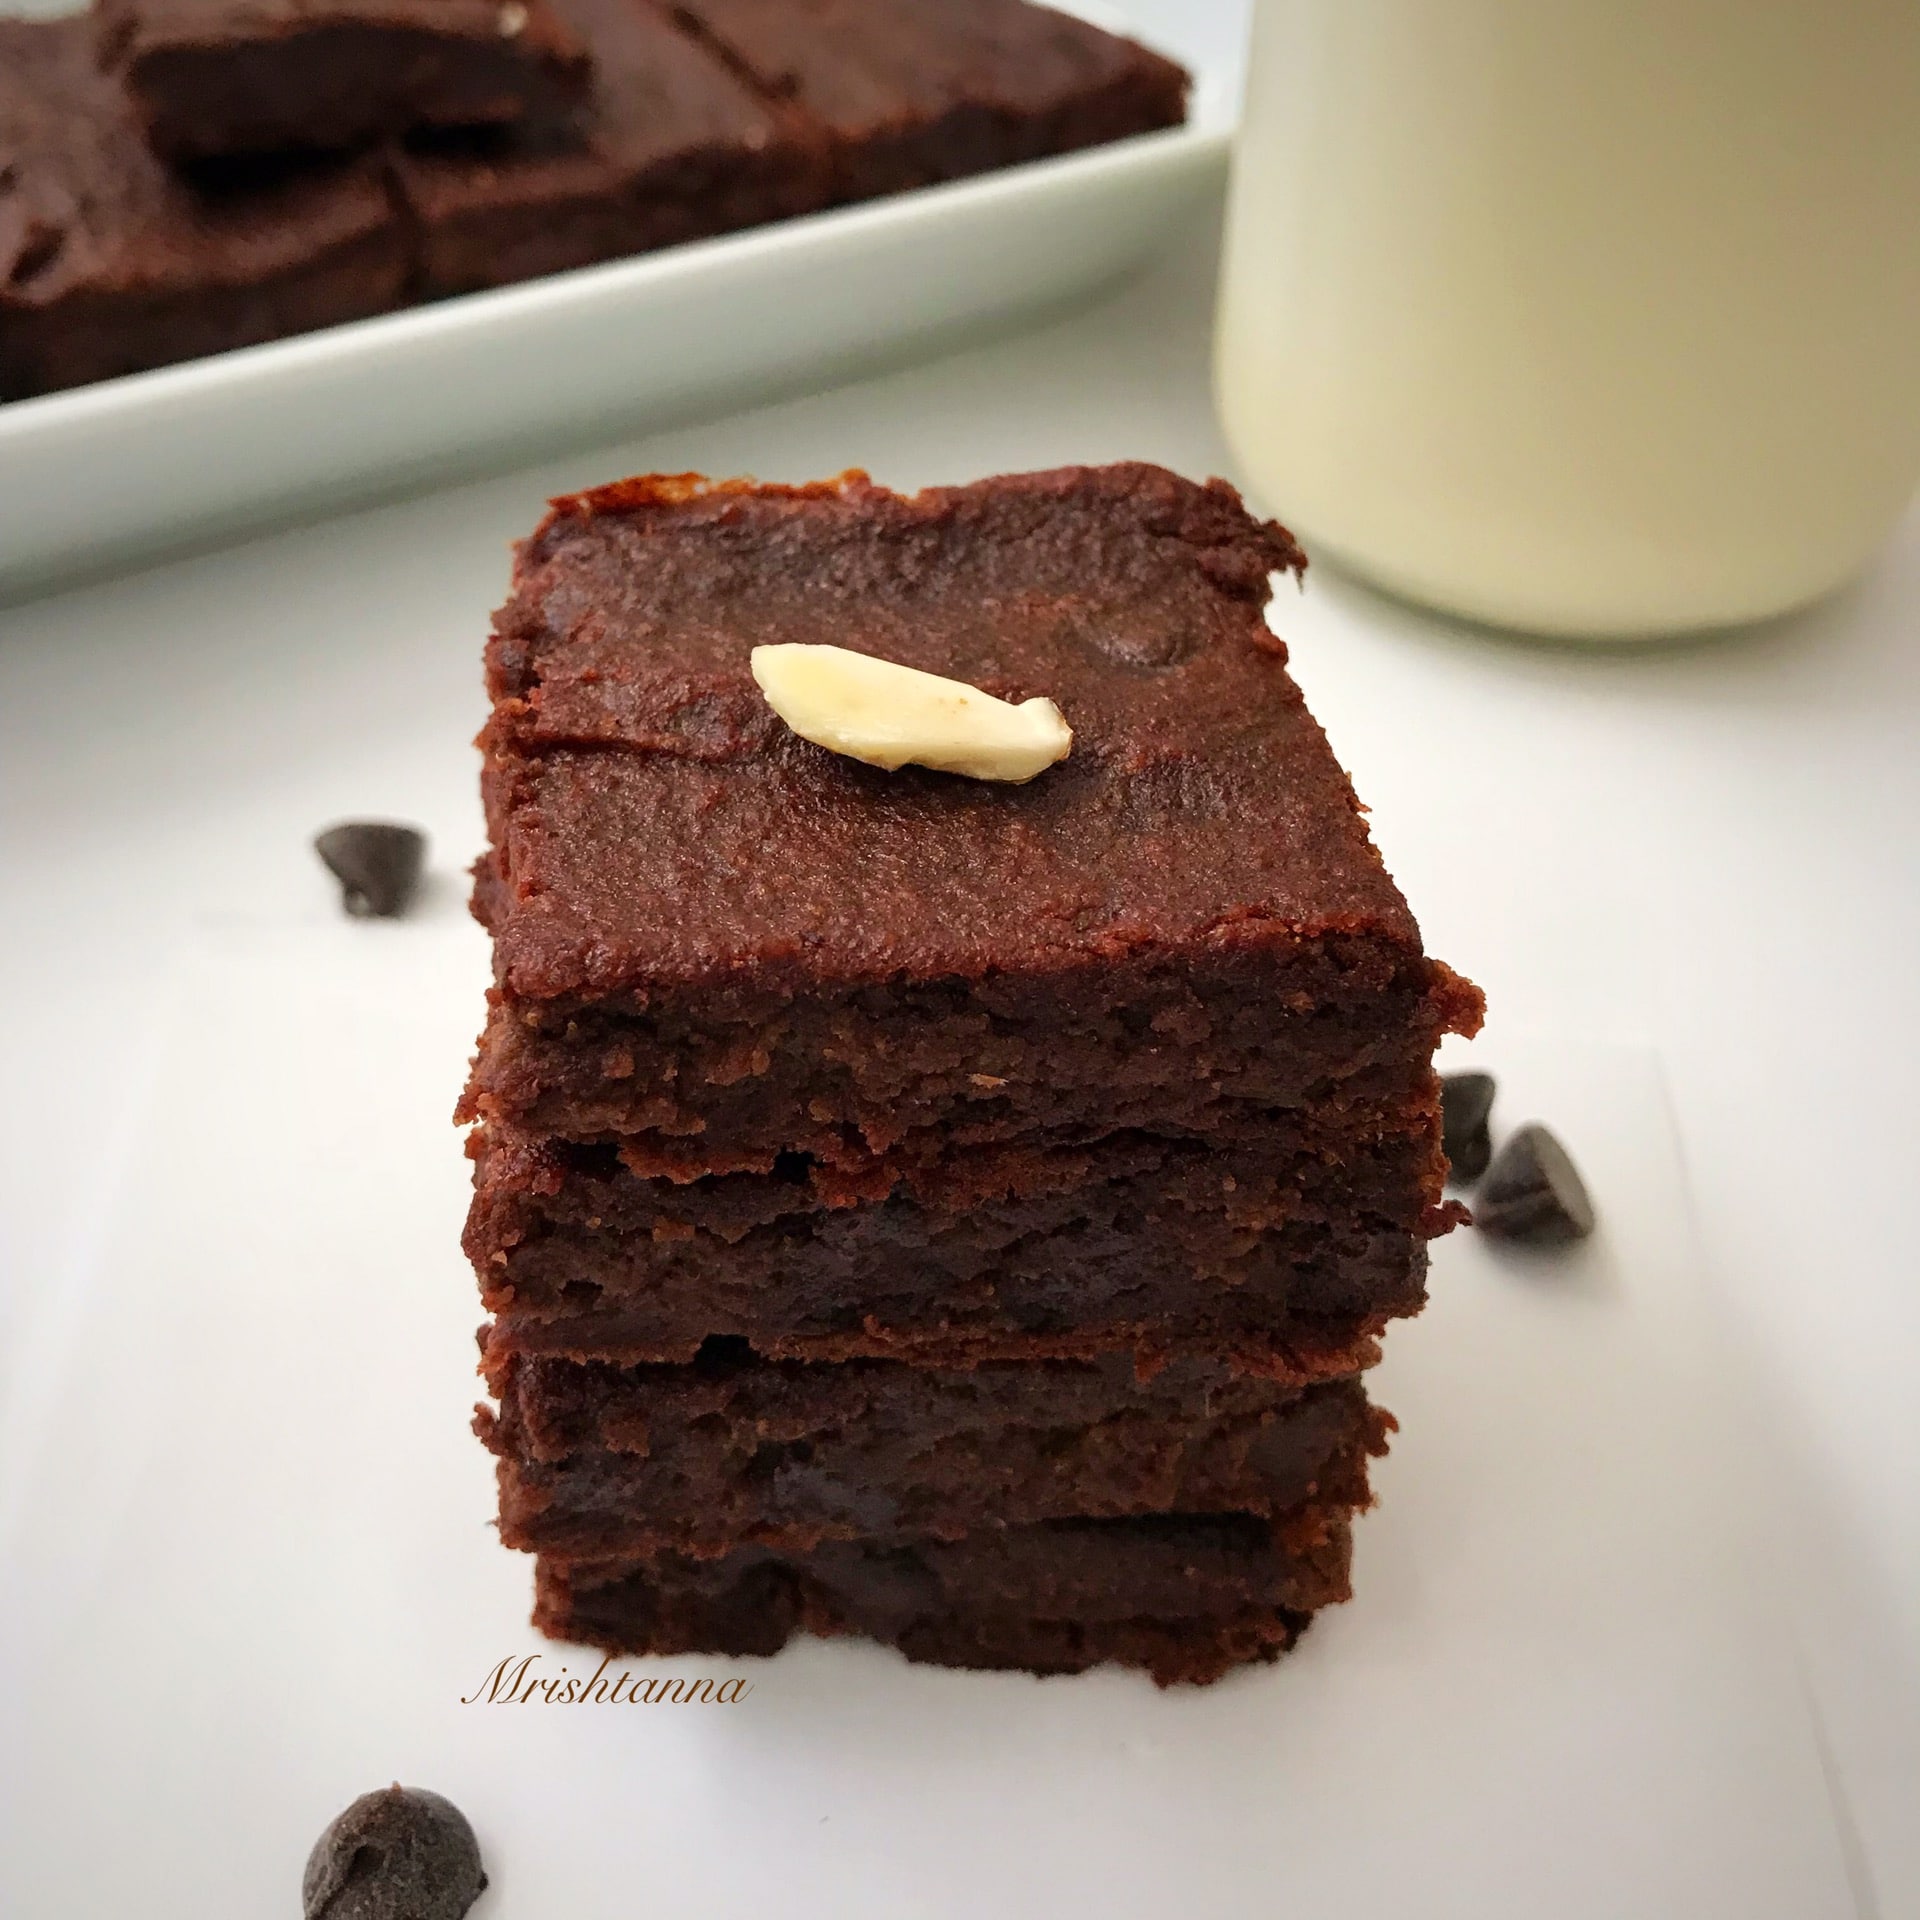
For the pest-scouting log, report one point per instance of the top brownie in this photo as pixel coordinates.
(910, 94)
(222, 77)
(713, 933)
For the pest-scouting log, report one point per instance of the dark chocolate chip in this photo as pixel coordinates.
(377, 864)
(399, 1854)
(1533, 1192)
(1466, 1099)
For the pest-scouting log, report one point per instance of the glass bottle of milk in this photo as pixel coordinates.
(1588, 317)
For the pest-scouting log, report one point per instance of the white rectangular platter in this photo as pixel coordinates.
(247, 1570)
(111, 474)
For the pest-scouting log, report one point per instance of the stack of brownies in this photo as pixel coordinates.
(178, 177)
(949, 1212)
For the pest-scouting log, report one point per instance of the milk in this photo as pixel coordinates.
(1590, 317)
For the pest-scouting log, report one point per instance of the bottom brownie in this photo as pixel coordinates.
(1187, 1597)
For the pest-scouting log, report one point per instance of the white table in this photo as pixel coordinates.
(1715, 849)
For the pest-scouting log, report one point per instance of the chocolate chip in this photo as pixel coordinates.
(377, 864)
(1533, 1192)
(1466, 1099)
(399, 1854)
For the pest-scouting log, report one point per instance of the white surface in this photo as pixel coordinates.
(1599, 318)
(249, 1572)
(1716, 849)
(137, 466)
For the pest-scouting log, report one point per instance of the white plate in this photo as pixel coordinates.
(248, 1573)
(112, 473)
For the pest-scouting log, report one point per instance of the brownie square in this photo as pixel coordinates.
(919, 1207)
(598, 1461)
(109, 263)
(1184, 1596)
(669, 146)
(214, 78)
(719, 943)
(912, 92)
(1280, 1247)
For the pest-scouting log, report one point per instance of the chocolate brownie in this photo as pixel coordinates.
(696, 1075)
(109, 263)
(214, 78)
(1132, 1241)
(1186, 1596)
(1183, 926)
(669, 146)
(599, 1462)
(883, 1174)
(911, 94)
